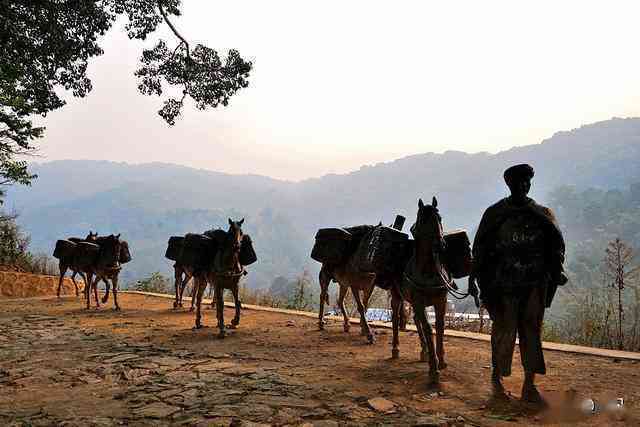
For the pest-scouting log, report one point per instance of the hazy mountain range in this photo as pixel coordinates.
(150, 202)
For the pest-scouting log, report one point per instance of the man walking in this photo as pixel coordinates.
(518, 255)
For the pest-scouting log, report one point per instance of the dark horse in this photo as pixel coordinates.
(423, 284)
(225, 274)
(107, 267)
(66, 264)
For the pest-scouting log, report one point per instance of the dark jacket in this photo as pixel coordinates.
(484, 243)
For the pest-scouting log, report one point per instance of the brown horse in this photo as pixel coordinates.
(182, 275)
(225, 274)
(424, 284)
(347, 277)
(66, 264)
(106, 268)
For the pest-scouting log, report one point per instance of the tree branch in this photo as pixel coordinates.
(175, 31)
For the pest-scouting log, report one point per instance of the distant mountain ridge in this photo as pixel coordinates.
(153, 201)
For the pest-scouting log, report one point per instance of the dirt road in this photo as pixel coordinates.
(62, 365)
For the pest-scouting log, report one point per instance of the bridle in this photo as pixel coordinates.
(234, 241)
(438, 247)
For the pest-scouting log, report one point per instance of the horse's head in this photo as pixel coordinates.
(91, 237)
(235, 234)
(110, 247)
(428, 223)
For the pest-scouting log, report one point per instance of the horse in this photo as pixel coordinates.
(66, 264)
(107, 267)
(423, 283)
(347, 277)
(225, 274)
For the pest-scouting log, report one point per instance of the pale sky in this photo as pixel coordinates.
(340, 84)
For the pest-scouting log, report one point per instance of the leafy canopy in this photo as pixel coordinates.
(46, 46)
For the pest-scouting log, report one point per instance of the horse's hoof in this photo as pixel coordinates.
(198, 326)
(104, 300)
(191, 308)
(175, 305)
(321, 327)
(346, 328)
(371, 339)
(442, 365)
(395, 353)
(116, 309)
(232, 326)
(221, 335)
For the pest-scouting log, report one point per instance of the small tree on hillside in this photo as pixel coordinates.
(618, 275)
(13, 242)
(302, 296)
(155, 283)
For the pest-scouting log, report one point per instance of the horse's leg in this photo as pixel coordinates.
(114, 281)
(236, 298)
(199, 285)
(219, 295)
(194, 292)
(95, 289)
(403, 317)
(73, 279)
(87, 289)
(324, 281)
(213, 296)
(177, 282)
(363, 330)
(440, 308)
(105, 298)
(397, 306)
(363, 318)
(366, 296)
(345, 316)
(183, 285)
(420, 329)
(427, 335)
(84, 279)
(63, 271)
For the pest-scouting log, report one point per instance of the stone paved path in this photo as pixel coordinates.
(53, 366)
(62, 365)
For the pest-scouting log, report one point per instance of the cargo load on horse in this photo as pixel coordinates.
(125, 253)
(174, 247)
(457, 254)
(65, 249)
(247, 253)
(86, 255)
(382, 251)
(198, 251)
(218, 235)
(332, 245)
